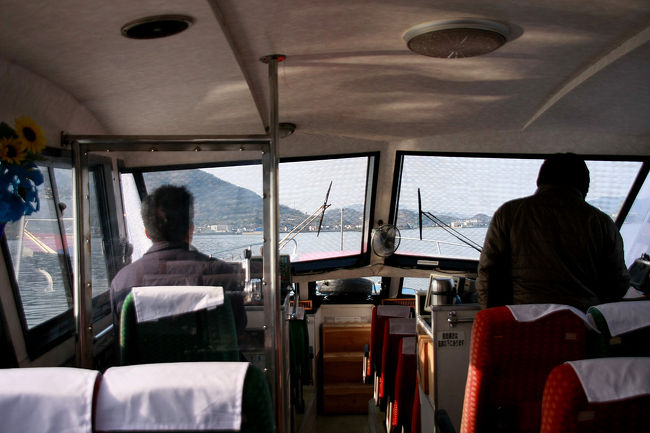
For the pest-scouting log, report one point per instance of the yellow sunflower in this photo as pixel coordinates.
(12, 150)
(30, 134)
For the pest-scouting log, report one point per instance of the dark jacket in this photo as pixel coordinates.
(177, 264)
(551, 247)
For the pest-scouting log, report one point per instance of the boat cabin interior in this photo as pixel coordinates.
(346, 157)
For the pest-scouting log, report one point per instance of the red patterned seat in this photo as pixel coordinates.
(394, 331)
(415, 414)
(566, 409)
(380, 315)
(509, 362)
(405, 382)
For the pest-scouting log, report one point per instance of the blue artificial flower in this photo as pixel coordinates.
(28, 192)
(18, 192)
(12, 206)
(28, 171)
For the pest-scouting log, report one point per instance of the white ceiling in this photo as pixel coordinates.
(574, 76)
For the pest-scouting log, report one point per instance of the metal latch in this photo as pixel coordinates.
(453, 319)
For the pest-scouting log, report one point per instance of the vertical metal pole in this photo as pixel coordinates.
(273, 343)
(341, 229)
(83, 299)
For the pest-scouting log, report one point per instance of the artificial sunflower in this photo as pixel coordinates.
(30, 134)
(12, 150)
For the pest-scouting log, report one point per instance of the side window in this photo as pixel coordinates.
(40, 263)
(63, 178)
(41, 248)
(636, 227)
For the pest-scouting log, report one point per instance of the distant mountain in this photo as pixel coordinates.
(482, 218)
(408, 219)
(352, 218)
(217, 202)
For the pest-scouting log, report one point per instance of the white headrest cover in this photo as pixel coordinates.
(47, 400)
(393, 310)
(532, 312)
(610, 379)
(409, 345)
(399, 326)
(626, 316)
(155, 302)
(176, 396)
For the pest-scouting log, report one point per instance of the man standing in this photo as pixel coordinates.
(553, 247)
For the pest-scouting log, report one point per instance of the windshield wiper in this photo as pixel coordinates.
(300, 227)
(449, 229)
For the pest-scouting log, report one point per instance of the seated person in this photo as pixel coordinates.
(168, 215)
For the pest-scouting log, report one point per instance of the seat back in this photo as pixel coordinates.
(394, 331)
(624, 329)
(299, 361)
(405, 383)
(207, 334)
(380, 315)
(416, 424)
(47, 399)
(228, 275)
(578, 399)
(509, 362)
(204, 273)
(185, 397)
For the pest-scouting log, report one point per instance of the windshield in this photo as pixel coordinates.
(322, 208)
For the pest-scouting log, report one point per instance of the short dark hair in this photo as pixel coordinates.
(168, 213)
(566, 169)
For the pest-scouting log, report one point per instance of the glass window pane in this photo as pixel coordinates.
(304, 187)
(610, 184)
(465, 192)
(63, 178)
(227, 218)
(36, 249)
(636, 227)
(97, 243)
(412, 285)
(138, 240)
(228, 207)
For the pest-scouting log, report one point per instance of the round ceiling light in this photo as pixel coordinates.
(456, 38)
(156, 27)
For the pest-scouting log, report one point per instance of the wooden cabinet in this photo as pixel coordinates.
(343, 390)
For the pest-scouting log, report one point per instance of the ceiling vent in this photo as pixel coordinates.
(451, 39)
(156, 27)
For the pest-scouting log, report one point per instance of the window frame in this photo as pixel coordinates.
(53, 331)
(304, 267)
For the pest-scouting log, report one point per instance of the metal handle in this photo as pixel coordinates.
(453, 319)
